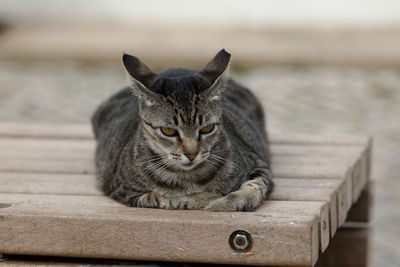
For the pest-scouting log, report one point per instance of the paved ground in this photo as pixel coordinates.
(297, 99)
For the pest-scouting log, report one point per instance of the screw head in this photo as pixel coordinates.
(240, 241)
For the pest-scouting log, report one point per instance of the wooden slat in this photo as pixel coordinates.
(328, 223)
(48, 166)
(44, 130)
(52, 150)
(45, 183)
(87, 167)
(319, 139)
(311, 160)
(63, 184)
(84, 166)
(350, 247)
(342, 173)
(284, 233)
(338, 185)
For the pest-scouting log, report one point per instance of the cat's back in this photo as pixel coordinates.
(122, 104)
(241, 101)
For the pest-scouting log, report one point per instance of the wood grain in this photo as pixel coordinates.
(64, 184)
(284, 233)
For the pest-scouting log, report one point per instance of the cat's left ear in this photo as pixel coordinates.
(141, 77)
(216, 72)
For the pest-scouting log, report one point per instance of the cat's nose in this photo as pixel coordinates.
(191, 157)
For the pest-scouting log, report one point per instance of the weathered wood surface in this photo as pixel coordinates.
(51, 167)
(349, 248)
(96, 226)
(86, 185)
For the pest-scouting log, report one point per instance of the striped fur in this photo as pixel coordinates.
(139, 166)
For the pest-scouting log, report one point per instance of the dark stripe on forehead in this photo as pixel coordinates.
(182, 118)
(176, 121)
(200, 119)
(169, 100)
(195, 114)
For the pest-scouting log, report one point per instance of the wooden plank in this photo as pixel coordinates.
(43, 144)
(79, 158)
(63, 184)
(342, 173)
(338, 185)
(311, 160)
(328, 221)
(323, 150)
(80, 166)
(75, 150)
(345, 193)
(283, 233)
(45, 183)
(349, 248)
(319, 139)
(44, 130)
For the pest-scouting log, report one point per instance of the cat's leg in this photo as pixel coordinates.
(249, 197)
(195, 201)
(130, 197)
(153, 200)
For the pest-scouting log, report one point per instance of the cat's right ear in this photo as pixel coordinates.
(141, 77)
(216, 72)
(216, 67)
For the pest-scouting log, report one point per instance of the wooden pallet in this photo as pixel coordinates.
(49, 203)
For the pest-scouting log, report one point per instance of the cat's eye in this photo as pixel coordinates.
(169, 131)
(208, 129)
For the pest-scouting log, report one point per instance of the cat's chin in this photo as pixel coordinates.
(188, 166)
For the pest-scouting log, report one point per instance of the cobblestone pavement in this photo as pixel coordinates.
(311, 99)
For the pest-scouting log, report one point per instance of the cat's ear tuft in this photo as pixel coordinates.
(216, 67)
(138, 70)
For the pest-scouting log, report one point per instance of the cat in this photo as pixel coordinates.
(183, 139)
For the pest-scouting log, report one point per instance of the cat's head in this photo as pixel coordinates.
(180, 109)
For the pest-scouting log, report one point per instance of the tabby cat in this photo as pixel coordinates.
(183, 139)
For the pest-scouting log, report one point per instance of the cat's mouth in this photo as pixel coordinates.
(188, 166)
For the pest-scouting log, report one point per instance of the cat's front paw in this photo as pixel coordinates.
(234, 202)
(154, 200)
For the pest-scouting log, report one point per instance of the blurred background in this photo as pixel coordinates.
(317, 66)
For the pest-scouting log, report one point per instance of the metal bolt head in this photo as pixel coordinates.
(240, 241)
